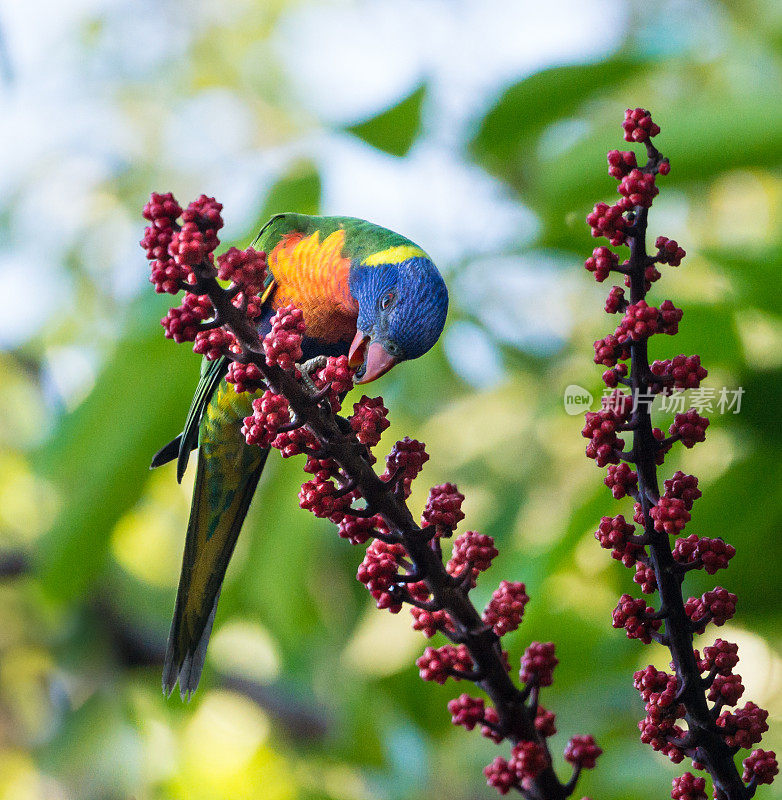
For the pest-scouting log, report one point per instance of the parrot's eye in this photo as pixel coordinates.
(386, 300)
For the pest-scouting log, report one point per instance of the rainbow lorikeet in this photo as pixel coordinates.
(365, 292)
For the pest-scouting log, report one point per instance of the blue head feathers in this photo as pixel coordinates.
(401, 307)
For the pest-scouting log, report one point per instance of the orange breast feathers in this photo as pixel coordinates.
(313, 274)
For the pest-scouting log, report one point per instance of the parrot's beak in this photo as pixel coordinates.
(358, 349)
(378, 363)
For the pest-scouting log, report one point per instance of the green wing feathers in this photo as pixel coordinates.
(226, 478)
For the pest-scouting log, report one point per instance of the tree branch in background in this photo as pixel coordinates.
(714, 733)
(404, 562)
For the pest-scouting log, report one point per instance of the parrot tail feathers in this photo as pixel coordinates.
(188, 672)
(167, 453)
(216, 518)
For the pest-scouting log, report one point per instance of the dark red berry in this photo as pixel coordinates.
(162, 207)
(621, 480)
(638, 187)
(214, 343)
(282, 345)
(369, 420)
(528, 760)
(717, 606)
(437, 664)
(500, 775)
(638, 125)
(635, 617)
(582, 751)
(743, 727)
(506, 607)
(270, 413)
(466, 711)
(621, 162)
(601, 262)
(670, 515)
(614, 533)
(684, 487)
(538, 662)
(471, 550)
(443, 508)
(760, 766)
(245, 268)
(688, 787)
(668, 251)
(690, 428)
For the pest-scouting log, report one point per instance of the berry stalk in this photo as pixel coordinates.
(713, 734)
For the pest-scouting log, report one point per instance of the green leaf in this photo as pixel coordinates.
(99, 458)
(298, 190)
(754, 275)
(395, 129)
(523, 111)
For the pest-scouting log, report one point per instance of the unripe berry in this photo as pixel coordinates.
(538, 662)
(760, 766)
(688, 787)
(506, 607)
(638, 125)
(443, 508)
(369, 420)
(690, 427)
(582, 751)
(528, 760)
(466, 711)
(500, 775)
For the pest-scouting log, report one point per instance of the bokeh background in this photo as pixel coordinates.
(479, 129)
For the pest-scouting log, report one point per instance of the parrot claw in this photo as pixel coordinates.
(308, 367)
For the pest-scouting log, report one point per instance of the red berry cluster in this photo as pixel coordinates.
(440, 663)
(183, 323)
(244, 377)
(622, 480)
(689, 428)
(506, 607)
(369, 420)
(601, 430)
(601, 262)
(182, 259)
(668, 251)
(614, 533)
(621, 163)
(282, 345)
(336, 378)
(711, 554)
(443, 508)
(760, 767)
(244, 268)
(680, 372)
(582, 751)
(404, 461)
(638, 187)
(688, 787)
(609, 221)
(270, 413)
(471, 551)
(660, 563)
(379, 572)
(638, 125)
(538, 662)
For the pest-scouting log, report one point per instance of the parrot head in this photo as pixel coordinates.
(401, 313)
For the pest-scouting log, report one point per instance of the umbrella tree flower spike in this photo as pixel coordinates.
(702, 689)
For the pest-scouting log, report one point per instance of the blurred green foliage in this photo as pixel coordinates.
(308, 691)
